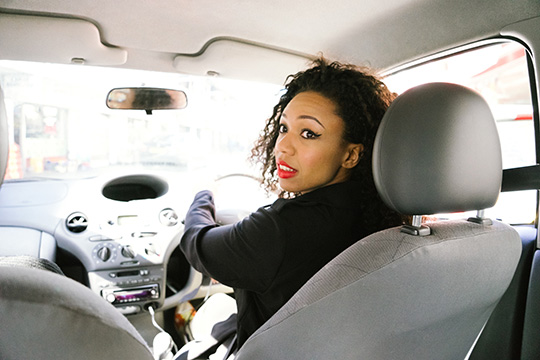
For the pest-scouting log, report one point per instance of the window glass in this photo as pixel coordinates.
(499, 72)
(60, 126)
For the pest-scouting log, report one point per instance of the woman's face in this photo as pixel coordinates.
(310, 151)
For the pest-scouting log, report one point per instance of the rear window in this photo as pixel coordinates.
(499, 72)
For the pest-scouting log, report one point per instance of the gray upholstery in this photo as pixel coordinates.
(4, 137)
(48, 316)
(441, 155)
(393, 295)
(26, 261)
(396, 296)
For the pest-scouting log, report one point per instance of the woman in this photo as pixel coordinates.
(317, 147)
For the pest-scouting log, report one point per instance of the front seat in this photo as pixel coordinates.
(47, 316)
(422, 291)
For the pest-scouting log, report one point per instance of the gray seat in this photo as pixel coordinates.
(422, 291)
(45, 315)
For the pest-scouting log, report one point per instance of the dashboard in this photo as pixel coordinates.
(118, 235)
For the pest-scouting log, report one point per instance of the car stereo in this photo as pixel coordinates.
(118, 296)
(130, 290)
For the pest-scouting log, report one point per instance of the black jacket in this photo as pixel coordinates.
(269, 255)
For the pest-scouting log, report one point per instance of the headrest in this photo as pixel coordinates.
(4, 138)
(437, 150)
(25, 261)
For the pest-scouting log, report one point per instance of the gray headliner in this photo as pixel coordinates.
(380, 33)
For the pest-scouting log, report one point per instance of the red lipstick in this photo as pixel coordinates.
(284, 170)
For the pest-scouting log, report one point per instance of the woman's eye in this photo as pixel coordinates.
(282, 128)
(308, 134)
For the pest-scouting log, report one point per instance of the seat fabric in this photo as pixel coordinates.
(390, 296)
(25, 261)
(48, 316)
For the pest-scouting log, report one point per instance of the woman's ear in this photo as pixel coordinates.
(354, 154)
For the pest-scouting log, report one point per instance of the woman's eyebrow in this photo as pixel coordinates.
(308, 117)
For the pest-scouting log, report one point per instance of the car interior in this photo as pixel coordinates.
(113, 115)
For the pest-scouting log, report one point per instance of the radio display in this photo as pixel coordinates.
(127, 220)
(133, 296)
(122, 296)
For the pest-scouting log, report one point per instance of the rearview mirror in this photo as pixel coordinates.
(146, 99)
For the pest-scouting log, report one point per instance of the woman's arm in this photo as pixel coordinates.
(243, 255)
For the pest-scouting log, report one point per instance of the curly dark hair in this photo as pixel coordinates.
(361, 100)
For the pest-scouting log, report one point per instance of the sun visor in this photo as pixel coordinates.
(57, 40)
(232, 58)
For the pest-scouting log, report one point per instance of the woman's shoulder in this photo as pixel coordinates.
(348, 194)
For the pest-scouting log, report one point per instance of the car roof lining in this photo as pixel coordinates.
(220, 56)
(381, 34)
(58, 40)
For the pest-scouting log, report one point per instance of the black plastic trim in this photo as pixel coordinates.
(524, 178)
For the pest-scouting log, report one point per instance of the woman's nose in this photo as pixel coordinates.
(284, 145)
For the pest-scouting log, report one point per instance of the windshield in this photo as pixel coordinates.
(61, 127)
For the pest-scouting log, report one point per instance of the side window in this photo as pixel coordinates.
(499, 72)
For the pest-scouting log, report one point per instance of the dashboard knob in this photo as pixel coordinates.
(128, 252)
(104, 253)
(110, 298)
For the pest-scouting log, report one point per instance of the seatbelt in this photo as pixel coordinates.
(231, 349)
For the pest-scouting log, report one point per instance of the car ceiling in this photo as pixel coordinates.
(253, 39)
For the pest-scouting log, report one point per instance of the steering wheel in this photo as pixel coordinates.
(237, 195)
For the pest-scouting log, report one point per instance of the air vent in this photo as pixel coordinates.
(77, 222)
(168, 217)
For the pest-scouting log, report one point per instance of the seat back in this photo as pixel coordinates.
(45, 315)
(423, 291)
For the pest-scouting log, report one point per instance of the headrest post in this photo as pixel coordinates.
(480, 218)
(416, 228)
(416, 221)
